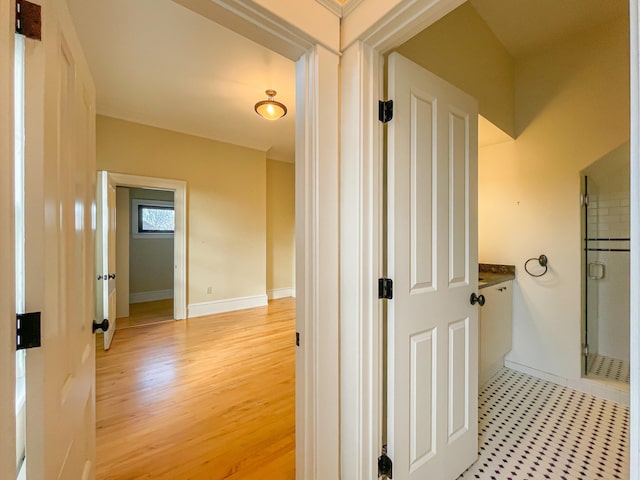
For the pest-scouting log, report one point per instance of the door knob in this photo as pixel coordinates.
(479, 299)
(104, 325)
(112, 276)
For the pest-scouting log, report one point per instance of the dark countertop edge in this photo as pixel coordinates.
(496, 268)
(495, 274)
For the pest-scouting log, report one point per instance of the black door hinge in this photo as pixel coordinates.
(27, 330)
(385, 288)
(385, 465)
(28, 19)
(297, 339)
(385, 111)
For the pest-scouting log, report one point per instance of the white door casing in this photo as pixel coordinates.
(59, 195)
(106, 254)
(179, 189)
(432, 257)
(7, 280)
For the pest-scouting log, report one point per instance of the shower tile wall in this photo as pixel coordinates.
(608, 297)
(609, 215)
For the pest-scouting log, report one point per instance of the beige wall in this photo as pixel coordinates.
(150, 259)
(123, 228)
(572, 107)
(461, 49)
(226, 190)
(280, 224)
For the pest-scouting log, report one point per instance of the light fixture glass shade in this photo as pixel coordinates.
(270, 109)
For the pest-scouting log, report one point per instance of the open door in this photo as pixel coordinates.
(432, 370)
(106, 255)
(59, 192)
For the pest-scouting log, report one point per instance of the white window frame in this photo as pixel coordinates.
(135, 204)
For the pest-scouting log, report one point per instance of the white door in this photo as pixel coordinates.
(432, 372)
(106, 255)
(59, 193)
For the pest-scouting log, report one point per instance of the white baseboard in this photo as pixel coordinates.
(612, 391)
(228, 305)
(281, 293)
(141, 297)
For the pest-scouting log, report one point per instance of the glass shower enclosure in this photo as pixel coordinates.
(606, 238)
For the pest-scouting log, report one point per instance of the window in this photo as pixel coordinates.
(152, 219)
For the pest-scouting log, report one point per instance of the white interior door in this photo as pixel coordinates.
(59, 200)
(432, 258)
(106, 254)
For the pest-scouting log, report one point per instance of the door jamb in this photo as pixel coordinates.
(634, 65)
(179, 189)
(7, 276)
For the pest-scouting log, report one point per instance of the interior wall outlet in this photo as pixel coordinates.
(209, 289)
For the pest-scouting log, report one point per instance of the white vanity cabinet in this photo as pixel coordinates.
(495, 319)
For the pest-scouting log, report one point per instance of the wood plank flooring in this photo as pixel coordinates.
(146, 313)
(207, 398)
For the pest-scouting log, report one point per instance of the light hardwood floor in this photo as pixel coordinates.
(146, 313)
(207, 398)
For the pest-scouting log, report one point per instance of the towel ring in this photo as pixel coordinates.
(542, 260)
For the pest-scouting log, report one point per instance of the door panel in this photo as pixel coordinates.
(423, 172)
(106, 254)
(432, 258)
(60, 161)
(458, 197)
(423, 399)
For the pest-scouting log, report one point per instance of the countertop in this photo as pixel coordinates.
(491, 274)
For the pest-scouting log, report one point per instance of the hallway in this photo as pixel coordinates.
(207, 398)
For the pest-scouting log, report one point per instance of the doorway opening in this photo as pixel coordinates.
(145, 225)
(118, 263)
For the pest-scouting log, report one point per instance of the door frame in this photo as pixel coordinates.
(362, 213)
(179, 188)
(7, 275)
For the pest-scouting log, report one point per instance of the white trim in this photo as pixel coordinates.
(340, 9)
(256, 23)
(179, 188)
(203, 309)
(151, 296)
(360, 265)
(334, 6)
(613, 391)
(276, 293)
(634, 65)
(349, 6)
(317, 266)
(7, 275)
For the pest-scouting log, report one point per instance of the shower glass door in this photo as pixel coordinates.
(592, 272)
(606, 275)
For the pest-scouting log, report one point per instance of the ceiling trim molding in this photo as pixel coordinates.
(349, 6)
(334, 6)
(338, 8)
(255, 23)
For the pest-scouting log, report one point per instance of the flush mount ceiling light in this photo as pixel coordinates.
(270, 109)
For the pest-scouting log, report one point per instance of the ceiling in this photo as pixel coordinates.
(158, 63)
(526, 26)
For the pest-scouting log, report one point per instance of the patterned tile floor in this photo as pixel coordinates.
(532, 429)
(608, 368)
